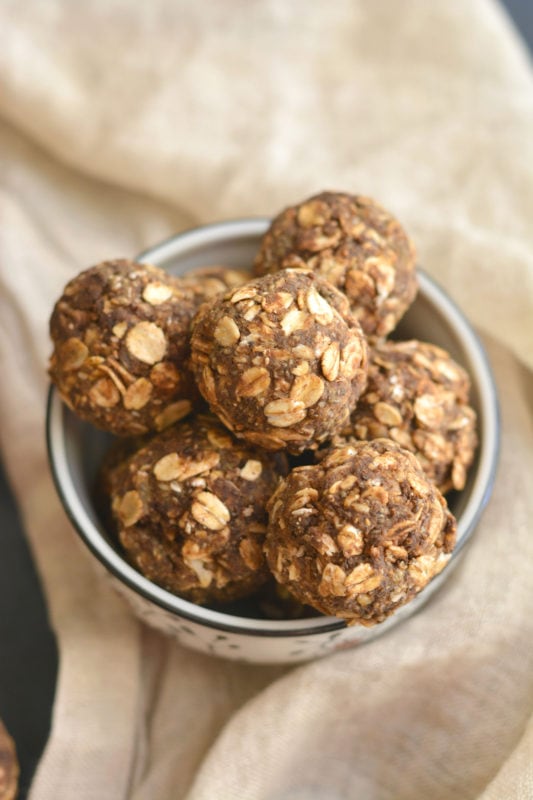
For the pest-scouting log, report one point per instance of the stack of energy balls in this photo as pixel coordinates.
(326, 448)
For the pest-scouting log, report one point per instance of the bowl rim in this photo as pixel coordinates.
(481, 490)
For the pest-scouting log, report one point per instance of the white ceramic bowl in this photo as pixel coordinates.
(75, 450)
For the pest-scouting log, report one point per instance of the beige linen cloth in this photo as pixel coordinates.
(124, 122)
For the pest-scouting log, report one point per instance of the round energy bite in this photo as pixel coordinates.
(121, 346)
(190, 507)
(354, 243)
(418, 396)
(9, 768)
(360, 533)
(281, 360)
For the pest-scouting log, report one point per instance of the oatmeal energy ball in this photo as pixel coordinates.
(360, 533)
(190, 507)
(121, 344)
(418, 396)
(280, 360)
(9, 767)
(354, 243)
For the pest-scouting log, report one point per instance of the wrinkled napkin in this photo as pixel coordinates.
(124, 122)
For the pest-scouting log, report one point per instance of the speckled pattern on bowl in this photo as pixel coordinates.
(75, 450)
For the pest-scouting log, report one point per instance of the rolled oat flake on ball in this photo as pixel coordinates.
(354, 243)
(359, 534)
(281, 360)
(121, 347)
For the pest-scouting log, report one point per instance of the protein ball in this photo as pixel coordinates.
(208, 282)
(190, 507)
(9, 767)
(121, 346)
(354, 243)
(418, 396)
(280, 360)
(360, 533)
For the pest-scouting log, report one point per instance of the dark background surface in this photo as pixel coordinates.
(522, 13)
(28, 653)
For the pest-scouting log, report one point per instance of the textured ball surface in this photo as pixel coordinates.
(418, 396)
(190, 510)
(121, 346)
(359, 534)
(354, 243)
(281, 360)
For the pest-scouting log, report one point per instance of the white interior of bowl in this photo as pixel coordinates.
(76, 449)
